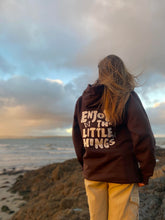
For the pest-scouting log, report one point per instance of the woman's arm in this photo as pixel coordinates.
(142, 136)
(76, 136)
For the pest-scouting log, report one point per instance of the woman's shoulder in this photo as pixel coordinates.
(133, 94)
(134, 98)
(134, 105)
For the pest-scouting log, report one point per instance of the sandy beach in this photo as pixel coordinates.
(9, 202)
(56, 192)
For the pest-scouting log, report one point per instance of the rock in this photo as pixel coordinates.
(160, 171)
(6, 209)
(53, 192)
(66, 203)
(56, 192)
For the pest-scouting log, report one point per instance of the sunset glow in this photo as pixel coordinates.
(49, 52)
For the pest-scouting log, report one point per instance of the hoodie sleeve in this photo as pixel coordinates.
(76, 136)
(142, 136)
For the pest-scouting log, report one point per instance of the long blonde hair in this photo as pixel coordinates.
(118, 84)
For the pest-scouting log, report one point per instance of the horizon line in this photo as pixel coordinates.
(31, 136)
(51, 136)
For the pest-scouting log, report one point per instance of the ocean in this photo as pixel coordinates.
(32, 153)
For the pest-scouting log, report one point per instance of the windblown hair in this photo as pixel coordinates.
(118, 84)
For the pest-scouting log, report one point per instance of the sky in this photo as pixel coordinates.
(49, 52)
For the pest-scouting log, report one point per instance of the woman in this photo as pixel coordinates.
(114, 143)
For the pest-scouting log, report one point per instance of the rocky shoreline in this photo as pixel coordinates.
(56, 192)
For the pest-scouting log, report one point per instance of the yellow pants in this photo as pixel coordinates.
(112, 201)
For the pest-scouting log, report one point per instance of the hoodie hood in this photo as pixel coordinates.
(92, 95)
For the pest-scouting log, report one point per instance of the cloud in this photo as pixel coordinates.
(151, 88)
(157, 114)
(157, 118)
(131, 32)
(39, 36)
(45, 43)
(45, 107)
(5, 67)
(29, 105)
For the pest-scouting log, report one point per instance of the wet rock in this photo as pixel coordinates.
(6, 209)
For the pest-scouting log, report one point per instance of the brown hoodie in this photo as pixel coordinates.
(121, 154)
